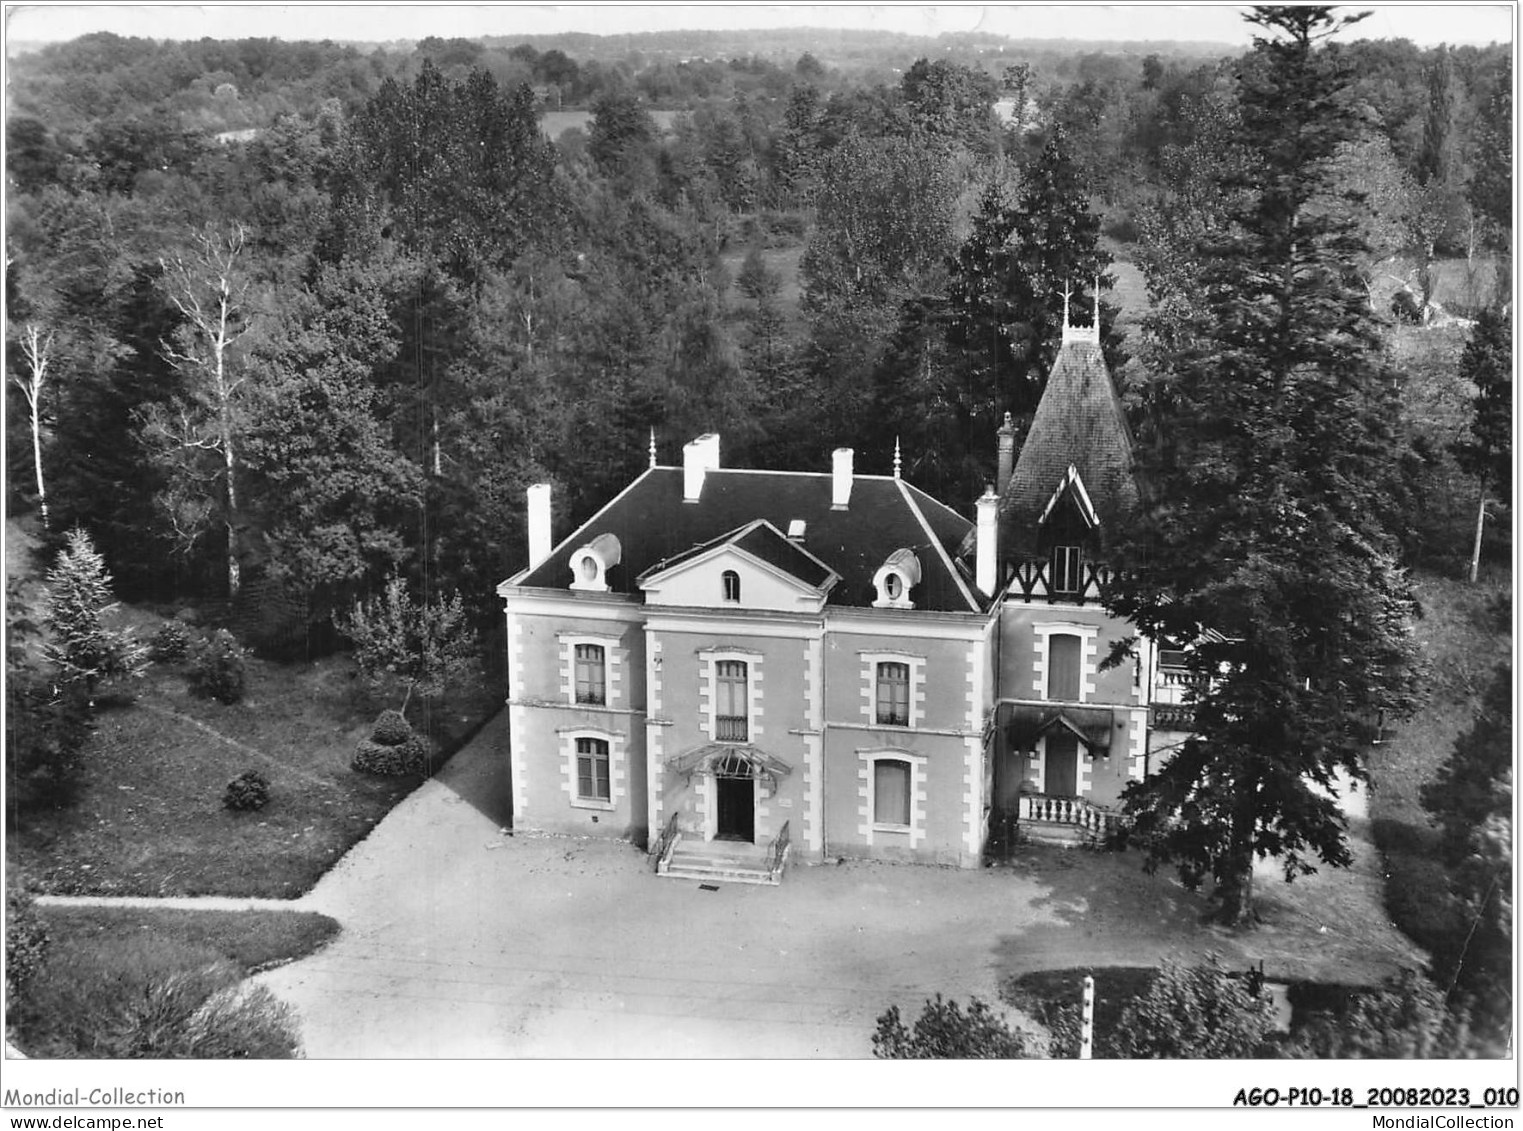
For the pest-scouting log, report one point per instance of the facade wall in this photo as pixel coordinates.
(1024, 658)
(775, 653)
(942, 745)
(546, 720)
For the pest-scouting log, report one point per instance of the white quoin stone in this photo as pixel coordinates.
(539, 523)
(699, 457)
(840, 478)
(986, 564)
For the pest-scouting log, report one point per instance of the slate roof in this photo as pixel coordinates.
(654, 525)
(761, 540)
(1079, 421)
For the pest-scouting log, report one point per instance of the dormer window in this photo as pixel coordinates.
(590, 564)
(895, 579)
(1065, 569)
(730, 580)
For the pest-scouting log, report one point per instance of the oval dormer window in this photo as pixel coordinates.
(895, 580)
(590, 564)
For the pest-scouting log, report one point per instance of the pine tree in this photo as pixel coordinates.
(1266, 551)
(78, 599)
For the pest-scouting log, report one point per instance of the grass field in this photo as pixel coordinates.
(150, 820)
(104, 966)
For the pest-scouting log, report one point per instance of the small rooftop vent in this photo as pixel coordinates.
(796, 530)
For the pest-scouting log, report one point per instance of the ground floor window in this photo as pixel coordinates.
(592, 783)
(891, 792)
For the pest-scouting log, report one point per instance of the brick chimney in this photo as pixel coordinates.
(1006, 455)
(699, 457)
(840, 478)
(539, 523)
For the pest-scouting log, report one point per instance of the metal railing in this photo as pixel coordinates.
(666, 842)
(777, 853)
(730, 728)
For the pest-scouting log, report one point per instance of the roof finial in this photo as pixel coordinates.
(1065, 302)
(653, 445)
(1097, 304)
(896, 457)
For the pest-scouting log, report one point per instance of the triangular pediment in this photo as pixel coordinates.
(753, 567)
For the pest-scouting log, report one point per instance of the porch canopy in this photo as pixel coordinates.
(726, 758)
(1092, 726)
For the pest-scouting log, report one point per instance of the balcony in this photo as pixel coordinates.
(730, 728)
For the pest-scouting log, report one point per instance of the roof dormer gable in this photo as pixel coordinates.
(1070, 500)
(755, 567)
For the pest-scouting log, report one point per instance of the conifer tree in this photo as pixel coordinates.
(1266, 551)
(78, 599)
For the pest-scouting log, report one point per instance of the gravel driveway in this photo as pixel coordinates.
(460, 941)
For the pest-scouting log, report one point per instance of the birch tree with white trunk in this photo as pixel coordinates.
(209, 287)
(37, 349)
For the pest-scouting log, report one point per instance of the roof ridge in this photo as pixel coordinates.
(940, 549)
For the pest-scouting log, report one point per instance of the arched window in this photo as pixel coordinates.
(731, 581)
(592, 769)
(732, 708)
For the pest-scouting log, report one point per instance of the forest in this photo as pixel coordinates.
(292, 326)
(304, 316)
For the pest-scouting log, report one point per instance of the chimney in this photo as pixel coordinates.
(987, 562)
(539, 523)
(699, 457)
(1006, 456)
(840, 478)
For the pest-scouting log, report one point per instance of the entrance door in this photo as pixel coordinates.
(737, 808)
(1061, 765)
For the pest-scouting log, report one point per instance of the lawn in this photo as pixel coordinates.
(149, 819)
(111, 978)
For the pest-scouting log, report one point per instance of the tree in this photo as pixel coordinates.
(1406, 1019)
(1267, 549)
(1012, 276)
(78, 599)
(1470, 798)
(210, 291)
(1195, 1012)
(944, 1032)
(37, 350)
(1487, 363)
(398, 641)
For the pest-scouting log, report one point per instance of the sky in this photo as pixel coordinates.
(1425, 24)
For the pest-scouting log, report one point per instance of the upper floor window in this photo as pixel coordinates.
(1065, 569)
(591, 674)
(894, 694)
(592, 770)
(731, 704)
(731, 581)
(1064, 657)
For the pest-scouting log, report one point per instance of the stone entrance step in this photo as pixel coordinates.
(718, 861)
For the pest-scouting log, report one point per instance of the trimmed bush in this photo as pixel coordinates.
(391, 729)
(409, 757)
(26, 940)
(217, 670)
(170, 644)
(249, 790)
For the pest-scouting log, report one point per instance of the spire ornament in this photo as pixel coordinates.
(896, 457)
(653, 446)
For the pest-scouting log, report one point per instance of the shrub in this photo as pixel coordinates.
(410, 757)
(1195, 1012)
(1403, 1020)
(944, 1032)
(239, 1023)
(169, 644)
(249, 790)
(26, 940)
(217, 670)
(391, 729)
